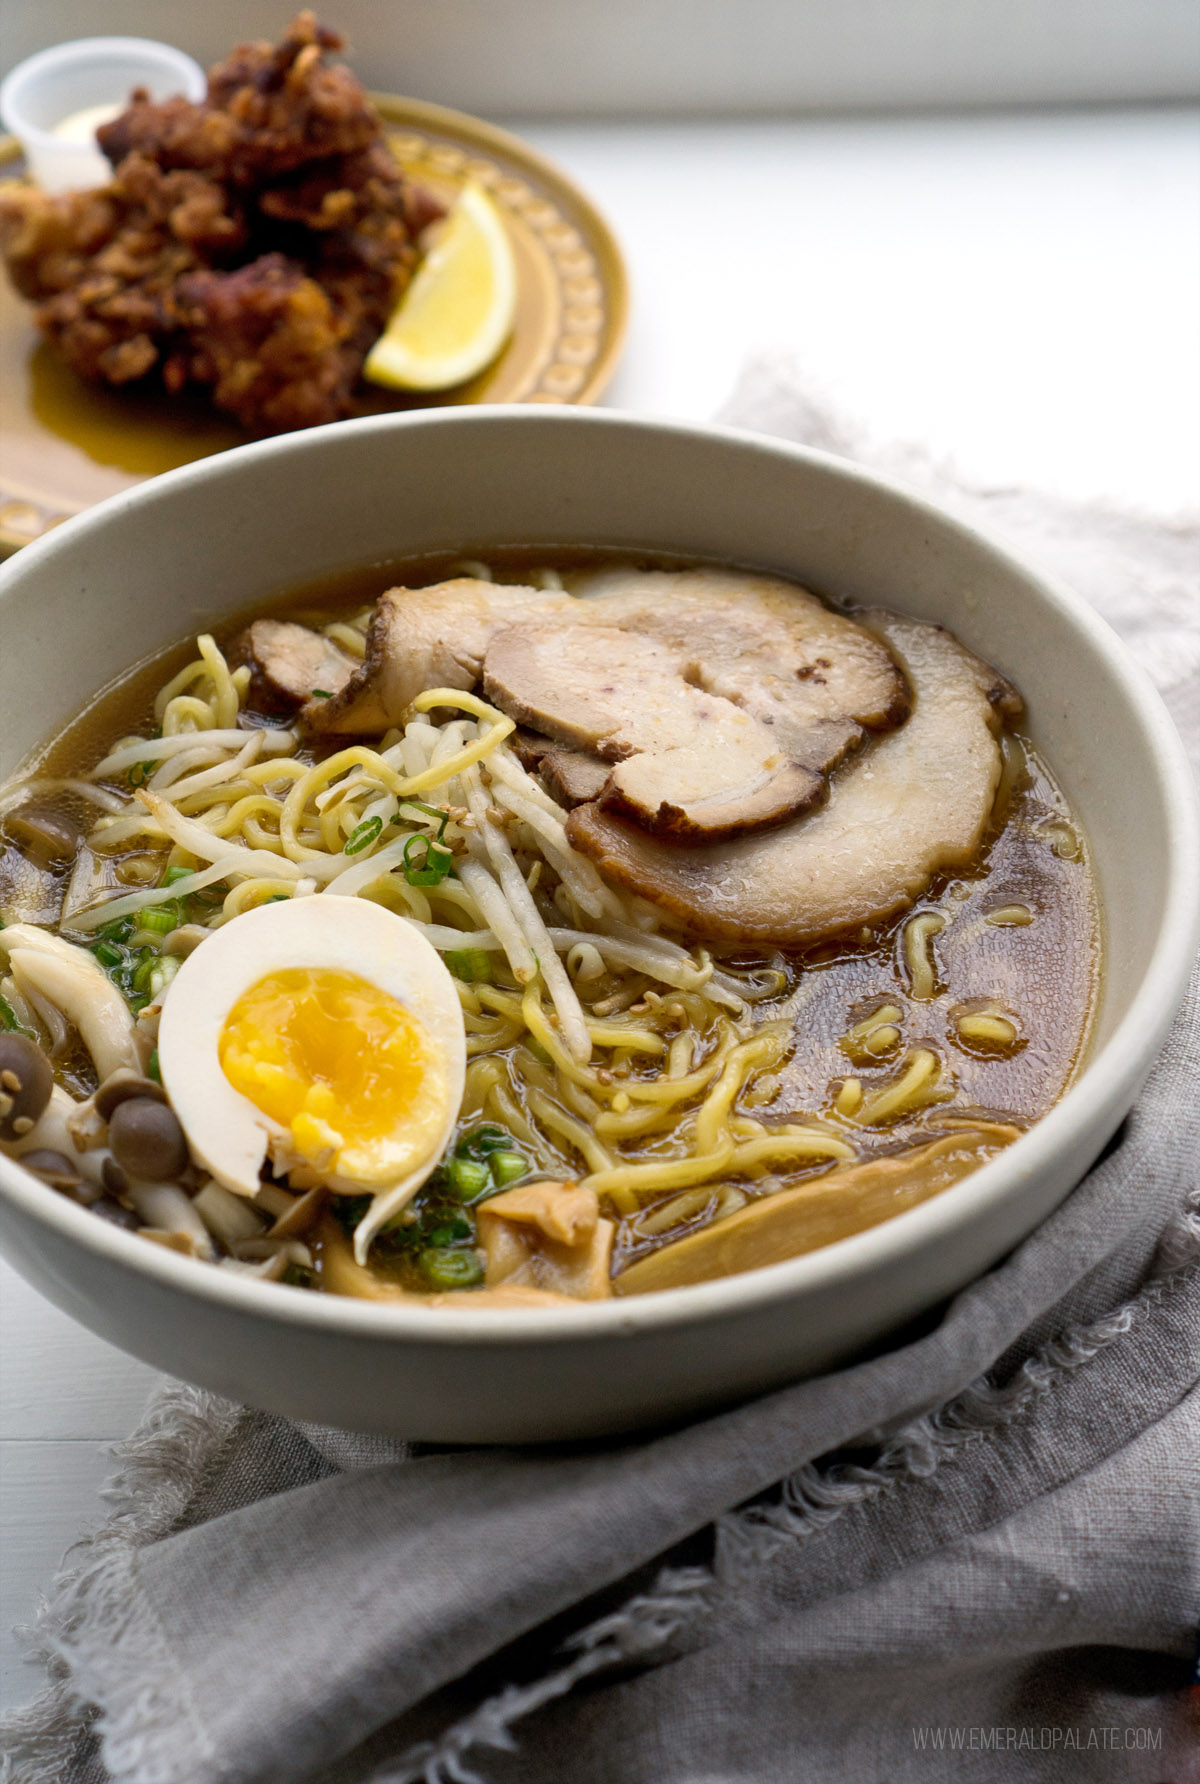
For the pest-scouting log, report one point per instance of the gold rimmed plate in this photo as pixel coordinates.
(65, 444)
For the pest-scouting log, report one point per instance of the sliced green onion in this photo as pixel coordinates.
(140, 773)
(152, 1069)
(108, 955)
(320, 694)
(163, 970)
(8, 1016)
(161, 919)
(437, 812)
(362, 836)
(451, 1269)
(120, 931)
(472, 965)
(448, 1230)
(428, 870)
(482, 1140)
(173, 875)
(143, 972)
(507, 1167)
(467, 1178)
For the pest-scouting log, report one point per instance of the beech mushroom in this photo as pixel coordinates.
(45, 837)
(74, 982)
(26, 1085)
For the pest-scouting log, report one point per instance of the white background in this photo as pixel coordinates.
(1020, 291)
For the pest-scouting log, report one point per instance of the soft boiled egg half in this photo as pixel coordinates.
(325, 1034)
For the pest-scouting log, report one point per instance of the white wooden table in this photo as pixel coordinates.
(1021, 292)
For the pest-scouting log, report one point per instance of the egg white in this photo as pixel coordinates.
(226, 1131)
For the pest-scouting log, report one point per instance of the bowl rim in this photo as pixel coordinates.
(1107, 1080)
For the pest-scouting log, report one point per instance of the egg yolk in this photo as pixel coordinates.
(347, 1069)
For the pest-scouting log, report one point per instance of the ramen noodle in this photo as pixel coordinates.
(545, 928)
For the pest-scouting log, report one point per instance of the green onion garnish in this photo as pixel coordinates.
(467, 1178)
(362, 836)
(161, 919)
(143, 971)
(320, 694)
(152, 1069)
(8, 1016)
(482, 1140)
(449, 1230)
(506, 1167)
(427, 811)
(451, 1269)
(173, 875)
(108, 954)
(428, 869)
(472, 965)
(140, 773)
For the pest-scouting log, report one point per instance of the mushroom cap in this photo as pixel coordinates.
(147, 1140)
(26, 1082)
(43, 834)
(119, 1086)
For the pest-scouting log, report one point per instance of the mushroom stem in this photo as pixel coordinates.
(165, 1205)
(75, 983)
(53, 1132)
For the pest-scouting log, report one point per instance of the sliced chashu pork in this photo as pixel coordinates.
(290, 663)
(915, 804)
(725, 697)
(768, 645)
(570, 776)
(689, 765)
(423, 638)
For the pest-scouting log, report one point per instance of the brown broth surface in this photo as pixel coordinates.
(1044, 974)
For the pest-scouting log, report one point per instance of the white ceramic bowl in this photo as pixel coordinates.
(58, 83)
(194, 547)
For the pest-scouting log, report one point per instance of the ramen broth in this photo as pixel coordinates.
(966, 1012)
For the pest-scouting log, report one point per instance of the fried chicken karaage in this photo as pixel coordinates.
(254, 244)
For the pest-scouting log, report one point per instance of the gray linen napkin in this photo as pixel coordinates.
(1000, 1579)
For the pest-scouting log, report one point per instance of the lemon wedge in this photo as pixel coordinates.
(459, 310)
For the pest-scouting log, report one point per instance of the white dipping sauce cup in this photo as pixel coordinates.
(57, 83)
